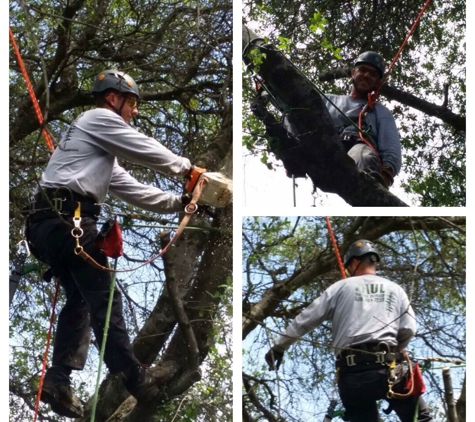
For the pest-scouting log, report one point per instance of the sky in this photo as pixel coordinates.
(261, 186)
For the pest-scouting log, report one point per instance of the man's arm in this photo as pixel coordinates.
(389, 144)
(407, 324)
(128, 189)
(310, 318)
(112, 134)
(307, 320)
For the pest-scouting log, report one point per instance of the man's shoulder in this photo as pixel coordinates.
(383, 110)
(100, 117)
(103, 112)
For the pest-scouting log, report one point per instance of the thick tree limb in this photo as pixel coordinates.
(457, 121)
(449, 395)
(372, 228)
(461, 405)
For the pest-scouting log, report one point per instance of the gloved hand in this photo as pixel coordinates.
(192, 178)
(274, 359)
(388, 175)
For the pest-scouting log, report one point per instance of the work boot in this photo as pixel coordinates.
(57, 392)
(141, 383)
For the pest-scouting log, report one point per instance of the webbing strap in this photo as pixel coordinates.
(189, 210)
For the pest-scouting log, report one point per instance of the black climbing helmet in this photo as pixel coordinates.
(372, 58)
(113, 79)
(359, 249)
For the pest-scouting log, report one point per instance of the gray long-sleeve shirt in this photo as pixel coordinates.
(86, 162)
(362, 309)
(382, 125)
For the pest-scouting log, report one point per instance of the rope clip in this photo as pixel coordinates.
(380, 357)
(350, 360)
(191, 208)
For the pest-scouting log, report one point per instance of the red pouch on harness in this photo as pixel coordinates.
(419, 386)
(109, 239)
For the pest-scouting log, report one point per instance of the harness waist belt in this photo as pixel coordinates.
(50, 202)
(382, 357)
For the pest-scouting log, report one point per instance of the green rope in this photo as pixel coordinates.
(103, 345)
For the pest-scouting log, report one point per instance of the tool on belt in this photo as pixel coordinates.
(109, 240)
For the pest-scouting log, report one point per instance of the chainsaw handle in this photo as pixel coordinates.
(192, 178)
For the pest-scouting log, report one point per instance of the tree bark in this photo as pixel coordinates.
(461, 405)
(449, 396)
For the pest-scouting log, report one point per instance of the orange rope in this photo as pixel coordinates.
(414, 25)
(45, 356)
(335, 247)
(31, 91)
(372, 97)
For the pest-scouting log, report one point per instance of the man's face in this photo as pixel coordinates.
(129, 107)
(366, 78)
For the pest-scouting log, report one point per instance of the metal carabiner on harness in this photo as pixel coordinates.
(77, 232)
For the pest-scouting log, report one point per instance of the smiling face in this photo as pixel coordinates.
(365, 80)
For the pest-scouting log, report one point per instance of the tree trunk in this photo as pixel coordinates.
(449, 396)
(461, 405)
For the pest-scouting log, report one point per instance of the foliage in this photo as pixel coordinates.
(323, 36)
(179, 53)
(289, 261)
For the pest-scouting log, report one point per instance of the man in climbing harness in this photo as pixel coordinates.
(372, 322)
(83, 169)
(380, 155)
(372, 141)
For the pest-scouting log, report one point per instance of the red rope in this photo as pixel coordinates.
(414, 25)
(31, 91)
(372, 97)
(45, 357)
(335, 248)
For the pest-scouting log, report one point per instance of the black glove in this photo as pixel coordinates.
(274, 359)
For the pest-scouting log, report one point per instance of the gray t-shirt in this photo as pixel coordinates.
(86, 162)
(363, 309)
(382, 125)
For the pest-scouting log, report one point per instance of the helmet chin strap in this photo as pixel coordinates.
(116, 110)
(360, 261)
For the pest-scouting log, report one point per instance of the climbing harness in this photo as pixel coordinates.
(190, 209)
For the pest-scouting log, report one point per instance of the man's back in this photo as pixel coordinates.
(369, 309)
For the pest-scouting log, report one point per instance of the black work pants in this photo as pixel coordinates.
(360, 389)
(87, 291)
